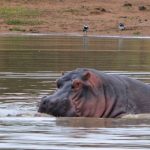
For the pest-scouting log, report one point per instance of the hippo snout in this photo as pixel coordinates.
(51, 104)
(45, 104)
(56, 106)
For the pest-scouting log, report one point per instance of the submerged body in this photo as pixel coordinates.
(92, 93)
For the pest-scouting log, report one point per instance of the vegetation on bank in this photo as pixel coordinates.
(18, 12)
(20, 16)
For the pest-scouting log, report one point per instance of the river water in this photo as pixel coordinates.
(29, 67)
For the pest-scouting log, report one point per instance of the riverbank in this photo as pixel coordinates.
(68, 16)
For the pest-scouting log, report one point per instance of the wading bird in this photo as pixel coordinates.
(121, 26)
(85, 29)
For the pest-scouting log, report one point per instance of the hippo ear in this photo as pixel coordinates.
(76, 84)
(86, 75)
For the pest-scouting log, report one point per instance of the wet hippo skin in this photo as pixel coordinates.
(92, 93)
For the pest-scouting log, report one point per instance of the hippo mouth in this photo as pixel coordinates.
(58, 109)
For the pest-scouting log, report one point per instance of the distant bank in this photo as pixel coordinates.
(69, 16)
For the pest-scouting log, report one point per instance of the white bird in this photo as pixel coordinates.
(85, 28)
(121, 26)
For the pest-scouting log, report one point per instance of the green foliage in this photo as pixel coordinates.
(20, 16)
(7, 12)
(136, 33)
(17, 29)
(23, 22)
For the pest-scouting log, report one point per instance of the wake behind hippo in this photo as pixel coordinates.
(92, 93)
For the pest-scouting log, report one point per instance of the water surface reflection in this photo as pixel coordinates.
(29, 67)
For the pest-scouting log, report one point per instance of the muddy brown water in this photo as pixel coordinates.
(29, 66)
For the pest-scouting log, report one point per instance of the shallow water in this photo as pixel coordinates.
(29, 66)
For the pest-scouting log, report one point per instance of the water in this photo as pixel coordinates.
(29, 66)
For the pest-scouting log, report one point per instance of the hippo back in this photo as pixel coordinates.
(132, 93)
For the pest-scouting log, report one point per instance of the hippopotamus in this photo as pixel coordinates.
(86, 92)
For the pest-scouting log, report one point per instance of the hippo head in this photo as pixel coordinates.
(79, 94)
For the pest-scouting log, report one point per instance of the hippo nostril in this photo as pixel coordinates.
(47, 102)
(44, 102)
(43, 105)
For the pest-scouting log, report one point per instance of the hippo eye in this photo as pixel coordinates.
(76, 84)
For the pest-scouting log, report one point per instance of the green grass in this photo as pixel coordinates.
(17, 29)
(23, 22)
(136, 33)
(9, 12)
(20, 16)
